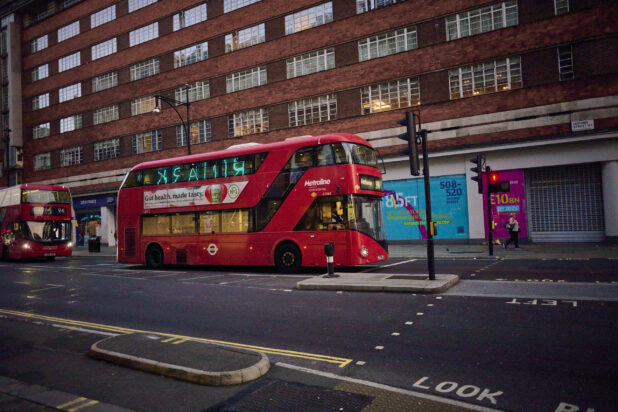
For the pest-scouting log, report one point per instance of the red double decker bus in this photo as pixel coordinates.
(35, 221)
(256, 204)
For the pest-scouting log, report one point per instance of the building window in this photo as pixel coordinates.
(41, 130)
(69, 3)
(103, 49)
(191, 55)
(68, 31)
(481, 20)
(197, 91)
(229, 5)
(144, 34)
(246, 79)
(42, 161)
(310, 63)
(244, 38)
(391, 95)
(308, 18)
(363, 6)
(387, 43)
(68, 124)
(40, 72)
(565, 62)
(200, 133)
(70, 92)
(483, 78)
(107, 149)
(561, 6)
(104, 81)
(40, 101)
(249, 122)
(190, 17)
(103, 16)
(72, 156)
(313, 110)
(68, 62)
(147, 142)
(105, 114)
(138, 4)
(142, 105)
(38, 44)
(145, 69)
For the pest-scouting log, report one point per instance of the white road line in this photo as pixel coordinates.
(203, 277)
(168, 275)
(388, 266)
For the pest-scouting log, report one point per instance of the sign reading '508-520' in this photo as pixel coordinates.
(195, 195)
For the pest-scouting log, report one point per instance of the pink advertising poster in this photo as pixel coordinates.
(503, 204)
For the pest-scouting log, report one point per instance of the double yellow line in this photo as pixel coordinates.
(342, 362)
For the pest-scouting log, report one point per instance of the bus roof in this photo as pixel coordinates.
(34, 186)
(239, 150)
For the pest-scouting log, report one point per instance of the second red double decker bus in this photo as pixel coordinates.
(256, 204)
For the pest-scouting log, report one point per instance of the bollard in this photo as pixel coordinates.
(329, 250)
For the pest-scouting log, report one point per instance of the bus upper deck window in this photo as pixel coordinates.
(302, 158)
(325, 155)
(341, 155)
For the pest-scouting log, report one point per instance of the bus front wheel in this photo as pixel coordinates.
(154, 257)
(288, 258)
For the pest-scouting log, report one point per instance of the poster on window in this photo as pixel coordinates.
(194, 195)
(505, 204)
(403, 208)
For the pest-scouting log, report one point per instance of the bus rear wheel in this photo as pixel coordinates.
(154, 257)
(288, 258)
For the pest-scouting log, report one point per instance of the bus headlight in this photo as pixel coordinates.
(364, 252)
(26, 246)
(70, 245)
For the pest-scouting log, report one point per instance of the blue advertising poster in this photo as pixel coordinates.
(403, 207)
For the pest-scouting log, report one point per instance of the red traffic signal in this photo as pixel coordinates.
(495, 185)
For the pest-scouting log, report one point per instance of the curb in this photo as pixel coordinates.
(379, 282)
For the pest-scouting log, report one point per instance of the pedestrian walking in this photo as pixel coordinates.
(513, 227)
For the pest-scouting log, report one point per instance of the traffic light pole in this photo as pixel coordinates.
(431, 267)
(490, 232)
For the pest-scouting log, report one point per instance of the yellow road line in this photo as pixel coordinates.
(74, 401)
(342, 362)
(85, 405)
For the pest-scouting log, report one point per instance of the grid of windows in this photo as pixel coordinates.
(41, 130)
(71, 156)
(197, 91)
(104, 81)
(144, 34)
(40, 72)
(391, 95)
(38, 44)
(245, 38)
(200, 133)
(142, 105)
(229, 5)
(147, 142)
(190, 55)
(103, 16)
(103, 49)
(145, 69)
(138, 4)
(308, 18)
(40, 101)
(561, 6)
(68, 62)
(70, 92)
(387, 43)
(310, 63)
(42, 161)
(313, 110)
(248, 122)
(190, 17)
(68, 124)
(363, 6)
(481, 20)
(105, 114)
(246, 79)
(107, 149)
(565, 62)
(487, 77)
(68, 31)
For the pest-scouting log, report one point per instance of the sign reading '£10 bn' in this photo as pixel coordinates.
(195, 195)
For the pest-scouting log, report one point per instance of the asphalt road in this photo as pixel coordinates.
(531, 353)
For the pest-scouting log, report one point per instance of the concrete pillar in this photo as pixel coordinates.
(476, 216)
(609, 173)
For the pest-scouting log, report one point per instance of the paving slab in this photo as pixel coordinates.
(380, 282)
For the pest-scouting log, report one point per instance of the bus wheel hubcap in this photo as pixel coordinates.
(288, 258)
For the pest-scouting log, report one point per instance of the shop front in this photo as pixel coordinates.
(96, 217)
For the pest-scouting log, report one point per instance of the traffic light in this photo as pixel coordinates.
(495, 185)
(478, 161)
(410, 137)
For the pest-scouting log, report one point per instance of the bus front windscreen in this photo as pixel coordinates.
(48, 231)
(45, 196)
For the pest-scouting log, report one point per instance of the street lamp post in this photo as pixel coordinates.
(173, 103)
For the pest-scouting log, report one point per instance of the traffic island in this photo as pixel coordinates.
(380, 282)
(180, 358)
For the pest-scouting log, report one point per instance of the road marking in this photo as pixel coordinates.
(203, 277)
(51, 286)
(379, 347)
(388, 266)
(85, 402)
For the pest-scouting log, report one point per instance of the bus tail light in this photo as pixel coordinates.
(364, 252)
